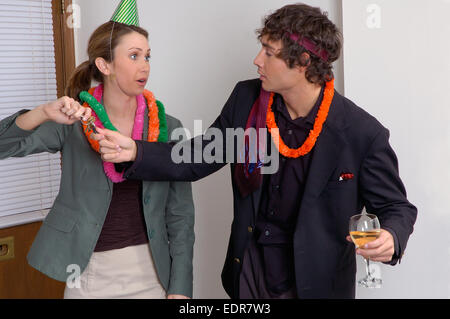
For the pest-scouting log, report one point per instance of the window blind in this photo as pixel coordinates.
(27, 79)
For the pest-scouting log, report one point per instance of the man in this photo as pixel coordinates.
(289, 235)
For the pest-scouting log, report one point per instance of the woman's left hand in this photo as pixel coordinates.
(177, 297)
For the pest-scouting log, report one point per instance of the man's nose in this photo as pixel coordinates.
(258, 60)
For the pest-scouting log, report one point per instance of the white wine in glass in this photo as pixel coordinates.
(365, 228)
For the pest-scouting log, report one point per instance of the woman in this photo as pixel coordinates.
(129, 239)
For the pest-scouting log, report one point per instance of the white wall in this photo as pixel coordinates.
(397, 67)
(200, 50)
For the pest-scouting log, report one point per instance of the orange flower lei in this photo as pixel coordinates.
(153, 118)
(313, 134)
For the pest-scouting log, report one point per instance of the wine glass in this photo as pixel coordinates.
(365, 228)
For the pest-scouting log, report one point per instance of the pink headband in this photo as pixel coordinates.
(308, 45)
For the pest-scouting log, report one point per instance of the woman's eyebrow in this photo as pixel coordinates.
(137, 49)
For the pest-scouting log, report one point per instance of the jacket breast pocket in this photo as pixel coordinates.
(336, 185)
(60, 218)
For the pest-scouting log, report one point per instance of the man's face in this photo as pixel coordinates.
(274, 73)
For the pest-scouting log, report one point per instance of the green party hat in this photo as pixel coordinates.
(126, 13)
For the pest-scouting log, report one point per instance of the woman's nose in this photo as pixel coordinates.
(145, 65)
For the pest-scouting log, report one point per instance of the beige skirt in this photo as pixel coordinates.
(127, 273)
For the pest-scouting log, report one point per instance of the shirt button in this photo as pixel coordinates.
(272, 213)
(237, 260)
(250, 229)
(289, 132)
(267, 233)
(146, 199)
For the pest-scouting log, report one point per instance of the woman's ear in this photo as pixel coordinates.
(103, 66)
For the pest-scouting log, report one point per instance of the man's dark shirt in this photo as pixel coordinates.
(281, 199)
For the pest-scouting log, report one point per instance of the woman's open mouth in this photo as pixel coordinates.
(142, 82)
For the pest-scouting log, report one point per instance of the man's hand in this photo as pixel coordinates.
(115, 147)
(382, 249)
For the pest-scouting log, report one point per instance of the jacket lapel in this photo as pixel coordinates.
(256, 195)
(328, 148)
(323, 163)
(256, 198)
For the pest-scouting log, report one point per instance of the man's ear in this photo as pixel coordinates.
(305, 61)
(103, 66)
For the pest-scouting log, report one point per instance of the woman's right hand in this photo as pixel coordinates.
(65, 111)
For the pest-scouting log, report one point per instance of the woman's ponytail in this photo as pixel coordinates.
(80, 80)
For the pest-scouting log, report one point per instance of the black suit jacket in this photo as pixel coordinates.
(352, 141)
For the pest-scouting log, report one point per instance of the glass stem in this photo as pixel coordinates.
(369, 276)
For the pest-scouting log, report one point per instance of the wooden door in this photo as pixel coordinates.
(17, 278)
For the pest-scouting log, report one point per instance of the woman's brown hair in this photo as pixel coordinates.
(309, 22)
(101, 45)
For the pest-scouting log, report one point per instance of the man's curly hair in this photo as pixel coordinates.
(309, 22)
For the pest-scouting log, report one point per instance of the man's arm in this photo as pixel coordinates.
(385, 195)
(165, 161)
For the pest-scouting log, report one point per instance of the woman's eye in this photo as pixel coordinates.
(147, 58)
(133, 57)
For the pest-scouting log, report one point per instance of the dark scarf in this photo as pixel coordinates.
(247, 175)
